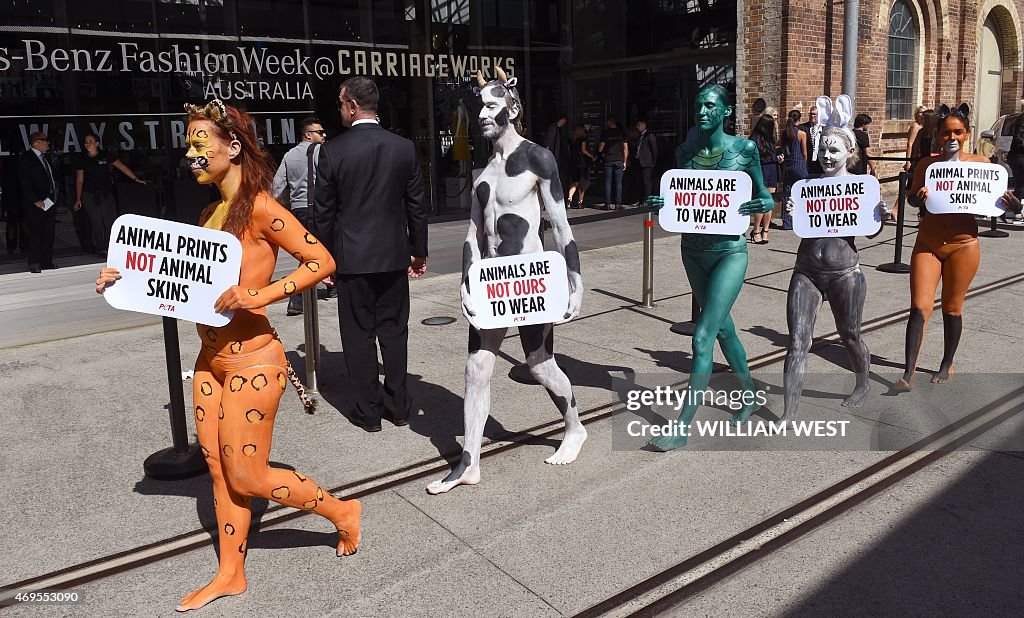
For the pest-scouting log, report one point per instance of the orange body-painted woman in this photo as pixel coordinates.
(946, 250)
(241, 371)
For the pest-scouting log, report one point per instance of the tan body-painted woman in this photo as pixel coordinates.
(241, 371)
(946, 250)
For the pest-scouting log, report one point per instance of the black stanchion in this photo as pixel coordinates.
(897, 265)
(182, 460)
(993, 232)
(687, 328)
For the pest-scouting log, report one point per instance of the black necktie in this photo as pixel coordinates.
(49, 174)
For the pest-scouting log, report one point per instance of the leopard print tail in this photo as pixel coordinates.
(308, 403)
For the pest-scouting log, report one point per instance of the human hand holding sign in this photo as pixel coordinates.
(237, 297)
(758, 204)
(107, 278)
(575, 296)
(655, 203)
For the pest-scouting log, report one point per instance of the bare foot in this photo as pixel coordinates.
(221, 586)
(744, 414)
(347, 523)
(569, 450)
(664, 444)
(857, 397)
(903, 386)
(466, 473)
(943, 377)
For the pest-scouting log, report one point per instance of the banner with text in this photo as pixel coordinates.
(704, 201)
(172, 269)
(965, 188)
(836, 207)
(518, 290)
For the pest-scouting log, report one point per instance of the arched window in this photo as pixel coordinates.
(901, 73)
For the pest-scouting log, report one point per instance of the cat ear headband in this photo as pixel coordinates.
(963, 112)
(216, 111)
(837, 116)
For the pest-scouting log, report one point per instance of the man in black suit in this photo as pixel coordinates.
(369, 212)
(647, 155)
(37, 189)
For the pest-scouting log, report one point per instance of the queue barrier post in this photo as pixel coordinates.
(647, 291)
(181, 460)
(993, 231)
(311, 330)
(897, 265)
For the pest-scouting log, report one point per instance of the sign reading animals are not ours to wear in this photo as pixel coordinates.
(704, 201)
(172, 269)
(837, 207)
(518, 290)
(965, 188)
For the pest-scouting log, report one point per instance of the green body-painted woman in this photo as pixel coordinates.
(716, 265)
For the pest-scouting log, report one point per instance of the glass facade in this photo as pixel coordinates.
(124, 68)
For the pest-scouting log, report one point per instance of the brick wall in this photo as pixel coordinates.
(791, 52)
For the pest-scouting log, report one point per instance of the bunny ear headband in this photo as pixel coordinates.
(838, 116)
(963, 111)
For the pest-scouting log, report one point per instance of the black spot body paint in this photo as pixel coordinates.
(532, 337)
(464, 463)
(249, 450)
(475, 341)
(467, 261)
(310, 239)
(560, 402)
(229, 529)
(281, 492)
(483, 194)
(498, 92)
(302, 477)
(260, 382)
(572, 257)
(211, 335)
(530, 157)
(277, 225)
(253, 293)
(512, 230)
(289, 287)
(200, 413)
(501, 119)
(313, 266)
(227, 450)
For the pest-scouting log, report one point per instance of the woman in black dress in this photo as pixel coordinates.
(580, 160)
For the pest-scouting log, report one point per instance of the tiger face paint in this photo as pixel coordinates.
(209, 157)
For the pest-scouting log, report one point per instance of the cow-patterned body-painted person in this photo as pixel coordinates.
(241, 371)
(828, 269)
(946, 249)
(716, 264)
(519, 182)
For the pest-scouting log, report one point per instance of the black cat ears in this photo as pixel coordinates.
(963, 111)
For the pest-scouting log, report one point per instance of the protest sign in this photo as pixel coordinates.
(172, 269)
(704, 202)
(518, 290)
(965, 188)
(836, 207)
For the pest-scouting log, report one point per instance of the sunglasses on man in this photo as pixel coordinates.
(320, 132)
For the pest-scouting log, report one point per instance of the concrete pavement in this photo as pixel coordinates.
(83, 412)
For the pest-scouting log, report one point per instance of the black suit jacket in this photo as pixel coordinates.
(369, 208)
(33, 181)
(647, 152)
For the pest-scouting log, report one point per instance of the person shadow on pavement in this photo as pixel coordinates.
(437, 414)
(200, 488)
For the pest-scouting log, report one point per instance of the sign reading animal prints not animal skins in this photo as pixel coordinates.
(836, 207)
(518, 290)
(704, 201)
(965, 188)
(172, 269)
